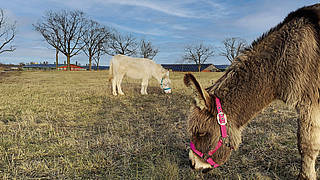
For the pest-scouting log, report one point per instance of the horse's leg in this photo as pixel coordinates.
(144, 86)
(309, 141)
(114, 88)
(120, 77)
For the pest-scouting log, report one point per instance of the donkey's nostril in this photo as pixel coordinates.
(191, 165)
(206, 170)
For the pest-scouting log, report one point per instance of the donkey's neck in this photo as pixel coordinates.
(244, 91)
(157, 75)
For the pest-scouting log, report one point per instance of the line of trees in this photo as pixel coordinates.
(72, 32)
(201, 53)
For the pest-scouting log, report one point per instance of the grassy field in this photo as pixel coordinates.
(67, 125)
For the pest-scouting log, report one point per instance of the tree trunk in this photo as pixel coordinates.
(90, 62)
(199, 67)
(57, 58)
(68, 63)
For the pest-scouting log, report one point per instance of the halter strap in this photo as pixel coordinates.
(161, 84)
(222, 119)
(209, 159)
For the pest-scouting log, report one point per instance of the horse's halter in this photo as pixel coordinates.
(222, 120)
(165, 89)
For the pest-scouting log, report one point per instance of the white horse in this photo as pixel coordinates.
(137, 68)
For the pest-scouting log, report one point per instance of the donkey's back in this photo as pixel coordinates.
(137, 68)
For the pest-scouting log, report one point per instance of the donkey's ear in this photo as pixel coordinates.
(201, 96)
(165, 73)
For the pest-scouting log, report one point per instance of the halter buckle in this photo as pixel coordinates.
(222, 118)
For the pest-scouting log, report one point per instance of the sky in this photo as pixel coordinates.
(170, 25)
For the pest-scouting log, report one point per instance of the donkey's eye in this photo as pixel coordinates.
(202, 134)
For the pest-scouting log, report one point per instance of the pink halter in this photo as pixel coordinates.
(222, 120)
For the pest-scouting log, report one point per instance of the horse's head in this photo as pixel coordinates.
(210, 145)
(165, 81)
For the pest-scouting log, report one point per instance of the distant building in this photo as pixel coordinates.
(96, 67)
(73, 67)
(40, 66)
(194, 67)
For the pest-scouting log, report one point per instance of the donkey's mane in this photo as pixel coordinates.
(308, 12)
(244, 61)
(232, 69)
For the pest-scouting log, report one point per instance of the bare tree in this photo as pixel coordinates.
(198, 53)
(147, 50)
(121, 44)
(7, 34)
(63, 30)
(94, 37)
(232, 47)
(98, 55)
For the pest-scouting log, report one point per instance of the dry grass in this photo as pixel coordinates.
(67, 125)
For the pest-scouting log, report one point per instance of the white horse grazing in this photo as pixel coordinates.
(137, 68)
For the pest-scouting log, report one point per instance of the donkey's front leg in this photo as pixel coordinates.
(119, 81)
(308, 164)
(144, 86)
(309, 142)
(114, 86)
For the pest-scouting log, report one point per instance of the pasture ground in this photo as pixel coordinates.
(67, 125)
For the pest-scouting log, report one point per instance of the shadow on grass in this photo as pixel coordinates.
(135, 88)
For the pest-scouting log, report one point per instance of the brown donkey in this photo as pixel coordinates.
(282, 64)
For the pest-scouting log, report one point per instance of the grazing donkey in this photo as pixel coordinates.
(137, 68)
(282, 64)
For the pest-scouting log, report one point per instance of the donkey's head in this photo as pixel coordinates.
(209, 130)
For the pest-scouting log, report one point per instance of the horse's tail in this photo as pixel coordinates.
(111, 70)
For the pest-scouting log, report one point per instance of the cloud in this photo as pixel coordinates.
(157, 6)
(179, 27)
(145, 31)
(259, 22)
(263, 15)
(183, 9)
